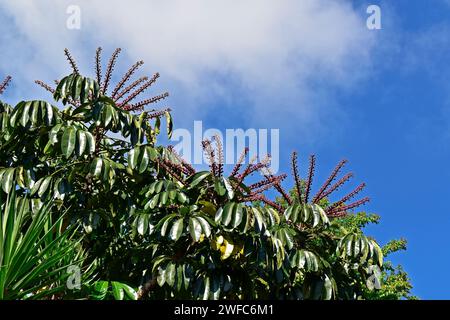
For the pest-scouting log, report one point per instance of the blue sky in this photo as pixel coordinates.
(380, 98)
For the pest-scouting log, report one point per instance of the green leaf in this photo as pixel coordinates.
(107, 115)
(306, 213)
(7, 180)
(198, 177)
(180, 276)
(142, 224)
(81, 142)
(76, 87)
(36, 186)
(237, 215)
(165, 223)
(106, 171)
(53, 134)
(96, 167)
(143, 160)
(206, 289)
(349, 246)
(129, 292)
(68, 141)
(35, 108)
(219, 187)
(117, 290)
(205, 226)
(259, 219)
(248, 219)
(25, 113)
(161, 278)
(181, 197)
(195, 229)
(172, 194)
(159, 185)
(133, 156)
(170, 274)
(20, 178)
(356, 247)
(292, 213)
(177, 230)
(44, 185)
(378, 254)
(153, 202)
(218, 215)
(151, 189)
(99, 290)
(163, 197)
(229, 187)
(49, 113)
(152, 153)
(227, 213)
(169, 124)
(84, 90)
(327, 289)
(285, 237)
(90, 142)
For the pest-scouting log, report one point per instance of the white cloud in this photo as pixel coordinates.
(274, 55)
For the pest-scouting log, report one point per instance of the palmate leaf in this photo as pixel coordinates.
(33, 114)
(321, 287)
(137, 129)
(69, 141)
(238, 217)
(142, 224)
(231, 215)
(310, 214)
(105, 170)
(199, 227)
(358, 247)
(175, 275)
(76, 88)
(286, 236)
(162, 193)
(10, 177)
(107, 115)
(164, 223)
(140, 157)
(211, 286)
(304, 259)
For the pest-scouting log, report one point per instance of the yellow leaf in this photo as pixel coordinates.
(226, 249)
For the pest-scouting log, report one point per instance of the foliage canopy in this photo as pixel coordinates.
(86, 184)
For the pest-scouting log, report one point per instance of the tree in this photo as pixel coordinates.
(151, 226)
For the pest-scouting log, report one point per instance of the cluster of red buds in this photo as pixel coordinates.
(336, 209)
(5, 84)
(214, 153)
(122, 94)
